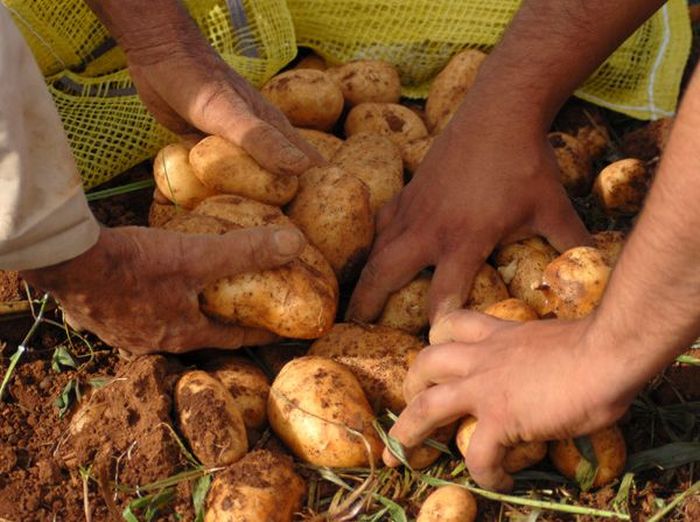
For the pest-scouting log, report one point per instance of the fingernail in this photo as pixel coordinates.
(289, 241)
(292, 156)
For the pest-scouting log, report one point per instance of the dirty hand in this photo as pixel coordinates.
(137, 288)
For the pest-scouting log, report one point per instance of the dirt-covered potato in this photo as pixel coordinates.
(11, 288)
(574, 164)
(209, 419)
(318, 409)
(312, 61)
(175, 177)
(519, 457)
(159, 214)
(621, 187)
(407, 308)
(573, 284)
(594, 139)
(335, 215)
(367, 81)
(326, 144)
(375, 160)
(414, 151)
(512, 309)
(225, 168)
(307, 97)
(450, 87)
(648, 141)
(261, 486)
(610, 451)
(398, 123)
(448, 504)
(487, 288)
(610, 244)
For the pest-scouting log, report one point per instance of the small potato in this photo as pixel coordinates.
(326, 144)
(649, 141)
(610, 244)
(610, 452)
(407, 308)
(594, 139)
(335, 215)
(487, 288)
(424, 455)
(398, 123)
(209, 419)
(450, 87)
(317, 407)
(367, 81)
(312, 61)
(375, 160)
(226, 168)
(521, 456)
(512, 310)
(175, 177)
(414, 152)
(573, 284)
(448, 504)
(574, 164)
(621, 187)
(307, 97)
(261, 486)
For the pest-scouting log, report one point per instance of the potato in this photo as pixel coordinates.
(610, 452)
(175, 177)
(209, 419)
(573, 284)
(159, 214)
(621, 187)
(424, 455)
(317, 407)
(307, 97)
(326, 144)
(407, 308)
(398, 123)
(594, 140)
(487, 288)
(512, 310)
(450, 87)
(261, 486)
(226, 168)
(448, 504)
(414, 152)
(11, 287)
(335, 215)
(649, 141)
(312, 61)
(521, 456)
(587, 124)
(574, 164)
(610, 244)
(198, 224)
(367, 81)
(375, 160)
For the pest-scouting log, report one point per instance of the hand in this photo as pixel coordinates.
(535, 381)
(485, 181)
(137, 288)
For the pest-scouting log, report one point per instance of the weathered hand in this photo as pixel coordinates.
(137, 288)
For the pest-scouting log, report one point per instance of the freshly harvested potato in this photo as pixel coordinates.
(521, 456)
(448, 504)
(367, 81)
(649, 141)
(610, 453)
(261, 486)
(398, 123)
(226, 168)
(198, 224)
(424, 455)
(209, 419)
(307, 97)
(621, 187)
(326, 144)
(450, 87)
(594, 139)
(407, 308)
(610, 244)
(587, 124)
(573, 284)
(574, 164)
(335, 215)
(159, 214)
(413, 153)
(317, 407)
(512, 309)
(487, 288)
(312, 61)
(175, 177)
(11, 288)
(375, 160)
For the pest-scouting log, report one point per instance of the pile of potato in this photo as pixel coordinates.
(323, 403)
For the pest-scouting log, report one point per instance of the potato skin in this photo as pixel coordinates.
(367, 81)
(326, 144)
(574, 164)
(159, 214)
(398, 123)
(407, 308)
(448, 504)
(261, 486)
(209, 419)
(176, 179)
(610, 243)
(512, 309)
(424, 455)
(621, 187)
(225, 168)
(487, 288)
(312, 61)
(307, 97)
(312, 402)
(414, 152)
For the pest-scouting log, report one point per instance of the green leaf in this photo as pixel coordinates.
(585, 474)
(64, 400)
(199, 495)
(99, 382)
(393, 445)
(621, 500)
(395, 511)
(664, 457)
(61, 357)
(151, 503)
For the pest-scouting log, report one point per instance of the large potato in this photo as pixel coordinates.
(448, 504)
(487, 288)
(450, 87)
(512, 309)
(610, 243)
(226, 168)
(209, 419)
(407, 308)
(307, 97)
(312, 61)
(318, 409)
(621, 187)
(326, 144)
(262, 486)
(335, 215)
(176, 179)
(574, 164)
(414, 152)
(367, 81)
(398, 123)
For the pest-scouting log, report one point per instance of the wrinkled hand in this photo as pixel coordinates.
(484, 181)
(137, 288)
(535, 381)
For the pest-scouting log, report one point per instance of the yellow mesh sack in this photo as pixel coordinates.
(641, 79)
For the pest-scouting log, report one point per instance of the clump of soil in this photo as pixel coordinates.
(10, 286)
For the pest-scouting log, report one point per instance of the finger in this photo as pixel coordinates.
(452, 281)
(386, 214)
(218, 335)
(435, 365)
(485, 456)
(561, 225)
(465, 326)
